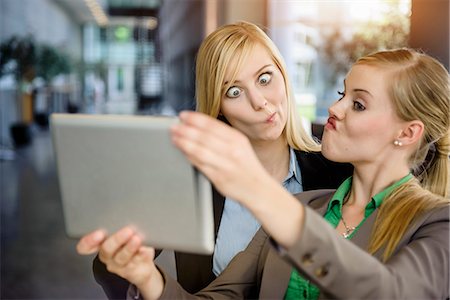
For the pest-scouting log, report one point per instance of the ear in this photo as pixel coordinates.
(411, 133)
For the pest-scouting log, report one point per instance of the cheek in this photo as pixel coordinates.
(229, 109)
(368, 128)
(235, 113)
(279, 97)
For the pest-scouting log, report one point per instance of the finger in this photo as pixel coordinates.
(199, 155)
(126, 253)
(207, 133)
(91, 242)
(199, 134)
(112, 244)
(209, 126)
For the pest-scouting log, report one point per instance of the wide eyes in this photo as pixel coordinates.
(265, 78)
(233, 92)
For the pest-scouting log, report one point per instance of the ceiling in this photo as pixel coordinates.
(80, 12)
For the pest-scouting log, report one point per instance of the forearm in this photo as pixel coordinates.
(152, 288)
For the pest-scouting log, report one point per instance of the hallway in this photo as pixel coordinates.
(38, 261)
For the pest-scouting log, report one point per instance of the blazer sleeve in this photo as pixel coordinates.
(240, 280)
(419, 268)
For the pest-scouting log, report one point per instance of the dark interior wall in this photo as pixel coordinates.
(182, 26)
(430, 28)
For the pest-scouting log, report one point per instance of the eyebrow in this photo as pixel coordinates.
(257, 72)
(360, 90)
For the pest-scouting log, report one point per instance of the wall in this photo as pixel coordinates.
(254, 11)
(183, 26)
(430, 28)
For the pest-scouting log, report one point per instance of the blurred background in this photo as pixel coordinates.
(138, 57)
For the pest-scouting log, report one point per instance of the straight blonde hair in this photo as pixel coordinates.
(419, 90)
(236, 41)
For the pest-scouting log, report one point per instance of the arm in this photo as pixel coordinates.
(226, 157)
(419, 269)
(238, 281)
(127, 258)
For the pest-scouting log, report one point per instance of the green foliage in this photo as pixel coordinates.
(18, 56)
(27, 59)
(51, 63)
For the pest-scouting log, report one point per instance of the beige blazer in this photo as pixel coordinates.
(418, 269)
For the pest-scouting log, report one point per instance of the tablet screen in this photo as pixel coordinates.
(120, 170)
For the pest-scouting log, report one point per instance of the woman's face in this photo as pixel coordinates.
(256, 102)
(362, 125)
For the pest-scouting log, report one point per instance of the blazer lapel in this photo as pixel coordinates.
(277, 272)
(362, 236)
(275, 277)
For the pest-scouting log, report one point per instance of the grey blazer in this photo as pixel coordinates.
(418, 269)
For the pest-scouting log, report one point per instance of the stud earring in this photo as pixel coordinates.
(398, 143)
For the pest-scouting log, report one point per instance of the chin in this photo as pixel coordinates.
(329, 152)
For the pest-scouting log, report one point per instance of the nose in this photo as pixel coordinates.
(256, 98)
(337, 109)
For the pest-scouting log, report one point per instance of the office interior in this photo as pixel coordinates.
(137, 57)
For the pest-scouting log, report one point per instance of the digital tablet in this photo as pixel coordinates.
(117, 170)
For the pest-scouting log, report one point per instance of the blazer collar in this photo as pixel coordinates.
(277, 271)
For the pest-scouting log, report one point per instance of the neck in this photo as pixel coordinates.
(369, 180)
(274, 156)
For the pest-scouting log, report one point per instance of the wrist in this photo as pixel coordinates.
(153, 287)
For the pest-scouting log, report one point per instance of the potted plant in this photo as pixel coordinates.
(26, 60)
(18, 57)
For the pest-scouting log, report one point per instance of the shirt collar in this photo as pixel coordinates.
(344, 188)
(378, 198)
(294, 168)
(341, 192)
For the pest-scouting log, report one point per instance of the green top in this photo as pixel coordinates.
(299, 287)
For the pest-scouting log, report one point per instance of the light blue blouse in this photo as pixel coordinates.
(238, 225)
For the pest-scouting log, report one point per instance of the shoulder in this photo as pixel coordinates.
(315, 198)
(439, 214)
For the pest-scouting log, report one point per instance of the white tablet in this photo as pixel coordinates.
(119, 170)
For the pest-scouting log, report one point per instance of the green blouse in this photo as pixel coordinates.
(301, 288)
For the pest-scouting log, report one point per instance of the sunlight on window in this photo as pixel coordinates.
(320, 39)
(375, 10)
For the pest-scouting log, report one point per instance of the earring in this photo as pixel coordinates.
(398, 143)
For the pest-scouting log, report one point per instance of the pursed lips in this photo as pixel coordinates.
(271, 117)
(331, 123)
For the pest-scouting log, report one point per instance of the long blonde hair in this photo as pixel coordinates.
(420, 90)
(236, 41)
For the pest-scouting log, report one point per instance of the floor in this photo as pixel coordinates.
(38, 261)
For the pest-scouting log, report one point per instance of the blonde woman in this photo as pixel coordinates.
(241, 79)
(383, 234)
